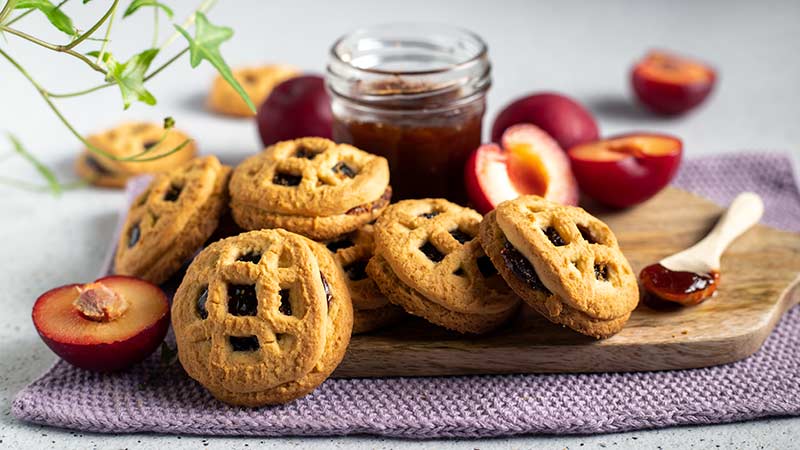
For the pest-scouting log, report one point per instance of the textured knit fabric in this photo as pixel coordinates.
(146, 399)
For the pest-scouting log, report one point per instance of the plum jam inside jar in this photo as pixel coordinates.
(414, 94)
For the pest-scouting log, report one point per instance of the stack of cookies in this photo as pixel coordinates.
(265, 316)
(311, 186)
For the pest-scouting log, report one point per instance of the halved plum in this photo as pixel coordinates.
(628, 169)
(670, 84)
(528, 162)
(103, 326)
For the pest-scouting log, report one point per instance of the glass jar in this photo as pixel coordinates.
(414, 94)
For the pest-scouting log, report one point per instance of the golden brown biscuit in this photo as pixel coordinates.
(127, 140)
(172, 219)
(371, 309)
(428, 261)
(257, 81)
(311, 186)
(262, 318)
(563, 262)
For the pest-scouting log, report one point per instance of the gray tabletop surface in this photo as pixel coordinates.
(583, 48)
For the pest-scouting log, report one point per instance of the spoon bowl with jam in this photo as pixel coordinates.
(692, 275)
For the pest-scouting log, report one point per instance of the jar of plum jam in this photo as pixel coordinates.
(414, 94)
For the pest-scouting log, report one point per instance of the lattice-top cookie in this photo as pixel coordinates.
(575, 255)
(431, 246)
(134, 138)
(310, 177)
(251, 313)
(172, 218)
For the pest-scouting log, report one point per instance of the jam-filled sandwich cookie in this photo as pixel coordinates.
(262, 318)
(428, 261)
(311, 186)
(257, 81)
(371, 309)
(563, 262)
(171, 219)
(127, 140)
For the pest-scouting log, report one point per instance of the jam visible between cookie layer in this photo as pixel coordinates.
(382, 201)
(201, 303)
(432, 252)
(173, 193)
(554, 236)
(287, 179)
(344, 169)
(460, 236)
(286, 304)
(134, 235)
(326, 287)
(244, 343)
(522, 268)
(242, 300)
(251, 257)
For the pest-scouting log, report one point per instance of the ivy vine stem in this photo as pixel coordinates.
(91, 30)
(129, 75)
(155, 72)
(7, 8)
(155, 27)
(56, 48)
(46, 97)
(68, 48)
(108, 33)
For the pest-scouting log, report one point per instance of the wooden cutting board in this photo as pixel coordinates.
(759, 282)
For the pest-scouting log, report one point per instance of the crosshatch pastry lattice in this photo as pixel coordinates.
(311, 186)
(172, 219)
(262, 318)
(371, 309)
(126, 140)
(428, 261)
(563, 262)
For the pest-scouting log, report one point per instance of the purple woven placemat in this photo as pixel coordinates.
(474, 406)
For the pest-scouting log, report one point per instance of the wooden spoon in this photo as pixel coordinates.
(691, 276)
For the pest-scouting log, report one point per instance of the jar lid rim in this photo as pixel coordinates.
(478, 57)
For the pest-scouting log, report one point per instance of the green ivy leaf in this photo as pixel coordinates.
(130, 77)
(136, 4)
(205, 46)
(54, 14)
